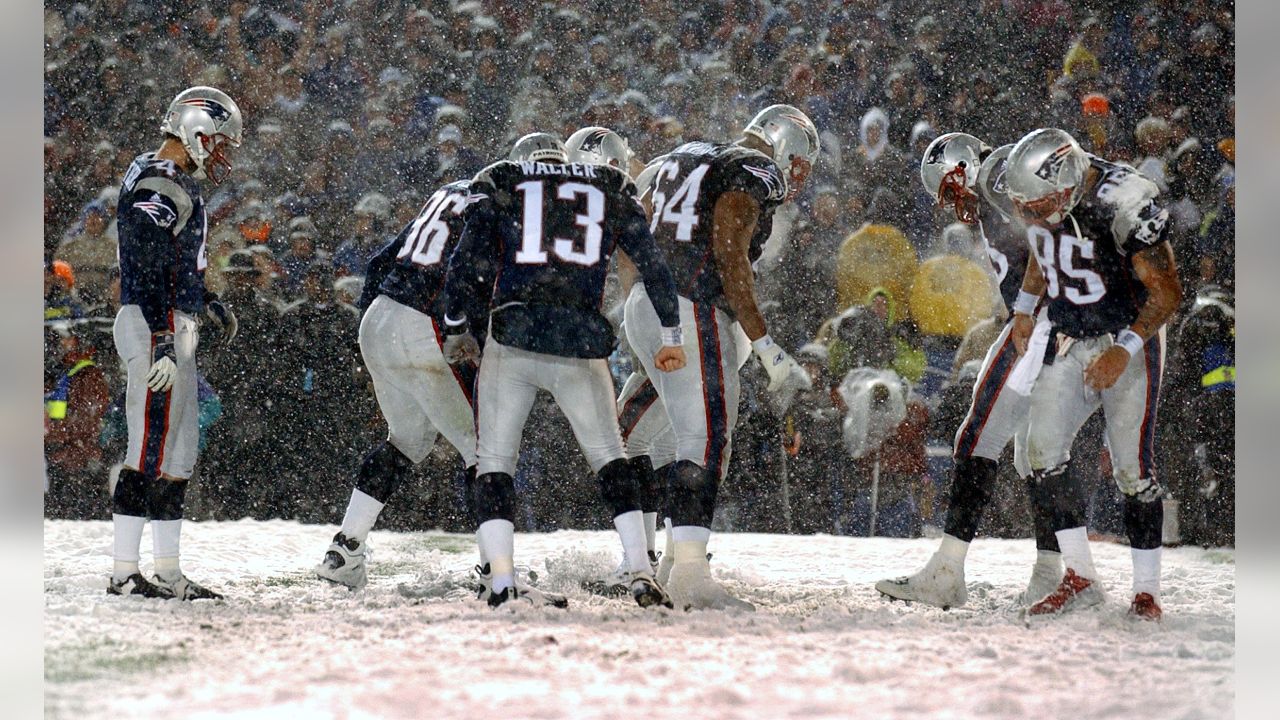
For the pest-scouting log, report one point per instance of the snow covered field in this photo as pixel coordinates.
(822, 643)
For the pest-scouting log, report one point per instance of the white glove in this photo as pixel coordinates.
(461, 348)
(163, 368)
(784, 372)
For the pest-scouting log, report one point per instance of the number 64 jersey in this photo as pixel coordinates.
(1092, 288)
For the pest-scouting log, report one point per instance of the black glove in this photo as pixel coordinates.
(219, 317)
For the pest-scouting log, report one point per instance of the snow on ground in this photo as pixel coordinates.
(822, 643)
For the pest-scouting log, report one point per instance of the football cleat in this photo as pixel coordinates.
(344, 563)
(183, 588)
(648, 593)
(1145, 607)
(136, 584)
(1072, 592)
(691, 587)
(528, 593)
(1045, 576)
(615, 584)
(939, 583)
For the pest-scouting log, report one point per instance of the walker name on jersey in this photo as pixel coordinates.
(528, 167)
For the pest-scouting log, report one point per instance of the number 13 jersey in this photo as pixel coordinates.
(685, 189)
(1092, 288)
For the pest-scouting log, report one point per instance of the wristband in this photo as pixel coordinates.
(762, 344)
(1026, 303)
(673, 336)
(1131, 341)
(455, 327)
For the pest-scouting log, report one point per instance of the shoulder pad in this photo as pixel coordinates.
(1137, 221)
(488, 175)
(615, 179)
(761, 167)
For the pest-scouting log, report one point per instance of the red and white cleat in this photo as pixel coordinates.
(1145, 607)
(1073, 592)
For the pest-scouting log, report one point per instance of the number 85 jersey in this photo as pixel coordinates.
(686, 187)
(1091, 285)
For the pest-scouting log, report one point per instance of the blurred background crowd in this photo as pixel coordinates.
(356, 111)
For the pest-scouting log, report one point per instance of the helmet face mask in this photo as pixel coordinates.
(207, 122)
(949, 172)
(793, 139)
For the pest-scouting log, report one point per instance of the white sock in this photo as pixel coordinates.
(669, 546)
(165, 535)
(497, 539)
(651, 531)
(128, 540)
(1074, 543)
(1048, 557)
(631, 529)
(953, 549)
(691, 551)
(690, 533)
(1146, 571)
(362, 513)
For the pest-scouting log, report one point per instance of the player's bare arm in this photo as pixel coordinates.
(733, 225)
(1033, 285)
(1158, 272)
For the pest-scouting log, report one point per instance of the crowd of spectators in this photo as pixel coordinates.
(356, 111)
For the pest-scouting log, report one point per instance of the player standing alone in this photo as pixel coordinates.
(538, 239)
(1100, 255)
(162, 228)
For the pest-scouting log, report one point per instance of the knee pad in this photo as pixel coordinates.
(1144, 518)
(166, 499)
(619, 486)
(691, 494)
(1041, 517)
(493, 497)
(384, 470)
(652, 487)
(1061, 496)
(131, 495)
(970, 493)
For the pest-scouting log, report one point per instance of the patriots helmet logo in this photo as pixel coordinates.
(216, 110)
(998, 184)
(1048, 169)
(159, 213)
(592, 142)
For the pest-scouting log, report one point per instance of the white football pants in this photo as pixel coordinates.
(164, 430)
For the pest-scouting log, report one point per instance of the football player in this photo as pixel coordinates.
(539, 236)
(712, 210)
(961, 172)
(420, 395)
(1101, 258)
(163, 301)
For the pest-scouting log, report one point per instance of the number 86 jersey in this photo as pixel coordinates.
(1091, 285)
(411, 268)
(686, 187)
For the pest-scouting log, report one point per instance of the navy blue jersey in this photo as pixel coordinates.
(537, 244)
(1004, 234)
(162, 228)
(685, 190)
(411, 268)
(1091, 284)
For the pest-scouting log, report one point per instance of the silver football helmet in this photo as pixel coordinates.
(991, 179)
(793, 138)
(949, 172)
(599, 146)
(206, 120)
(1046, 174)
(538, 146)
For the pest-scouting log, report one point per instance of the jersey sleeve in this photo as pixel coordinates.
(149, 251)
(379, 267)
(472, 263)
(1139, 221)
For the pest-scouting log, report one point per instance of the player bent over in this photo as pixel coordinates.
(712, 211)
(162, 228)
(540, 234)
(419, 394)
(958, 170)
(1100, 256)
